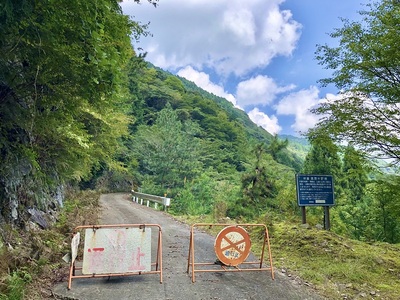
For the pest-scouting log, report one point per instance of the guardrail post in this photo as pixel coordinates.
(152, 198)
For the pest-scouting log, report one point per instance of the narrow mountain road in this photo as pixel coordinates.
(177, 283)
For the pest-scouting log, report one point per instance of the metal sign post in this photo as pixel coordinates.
(327, 221)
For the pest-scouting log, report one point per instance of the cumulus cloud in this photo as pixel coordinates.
(299, 104)
(241, 24)
(259, 90)
(229, 36)
(270, 124)
(281, 31)
(202, 80)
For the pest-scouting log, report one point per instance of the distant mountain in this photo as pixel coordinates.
(295, 139)
(299, 146)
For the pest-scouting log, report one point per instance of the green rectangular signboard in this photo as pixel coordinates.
(315, 190)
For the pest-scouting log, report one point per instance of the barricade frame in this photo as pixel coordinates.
(157, 264)
(226, 268)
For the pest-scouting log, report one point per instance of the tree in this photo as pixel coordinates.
(354, 173)
(323, 158)
(168, 151)
(366, 66)
(354, 207)
(258, 188)
(386, 209)
(62, 94)
(276, 146)
(197, 197)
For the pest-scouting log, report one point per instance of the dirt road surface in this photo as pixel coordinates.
(177, 283)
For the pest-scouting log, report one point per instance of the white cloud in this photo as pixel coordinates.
(229, 36)
(242, 24)
(299, 105)
(202, 80)
(270, 124)
(281, 31)
(259, 90)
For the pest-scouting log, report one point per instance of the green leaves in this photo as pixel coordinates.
(168, 150)
(62, 86)
(366, 68)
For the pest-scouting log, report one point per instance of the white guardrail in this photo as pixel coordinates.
(141, 197)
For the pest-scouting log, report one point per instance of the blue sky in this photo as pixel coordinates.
(258, 54)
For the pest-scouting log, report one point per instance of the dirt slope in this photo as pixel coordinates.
(177, 284)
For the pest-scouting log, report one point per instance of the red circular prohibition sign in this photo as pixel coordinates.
(232, 245)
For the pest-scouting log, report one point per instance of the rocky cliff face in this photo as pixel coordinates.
(26, 196)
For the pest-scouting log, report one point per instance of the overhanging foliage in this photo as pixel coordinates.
(366, 66)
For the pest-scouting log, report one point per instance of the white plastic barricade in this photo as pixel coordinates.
(115, 250)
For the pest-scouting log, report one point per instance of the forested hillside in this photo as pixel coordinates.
(211, 159)
(194, 146)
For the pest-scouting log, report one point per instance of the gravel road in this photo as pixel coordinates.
(177, 283)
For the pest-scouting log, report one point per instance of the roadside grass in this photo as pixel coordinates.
(337, 267)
